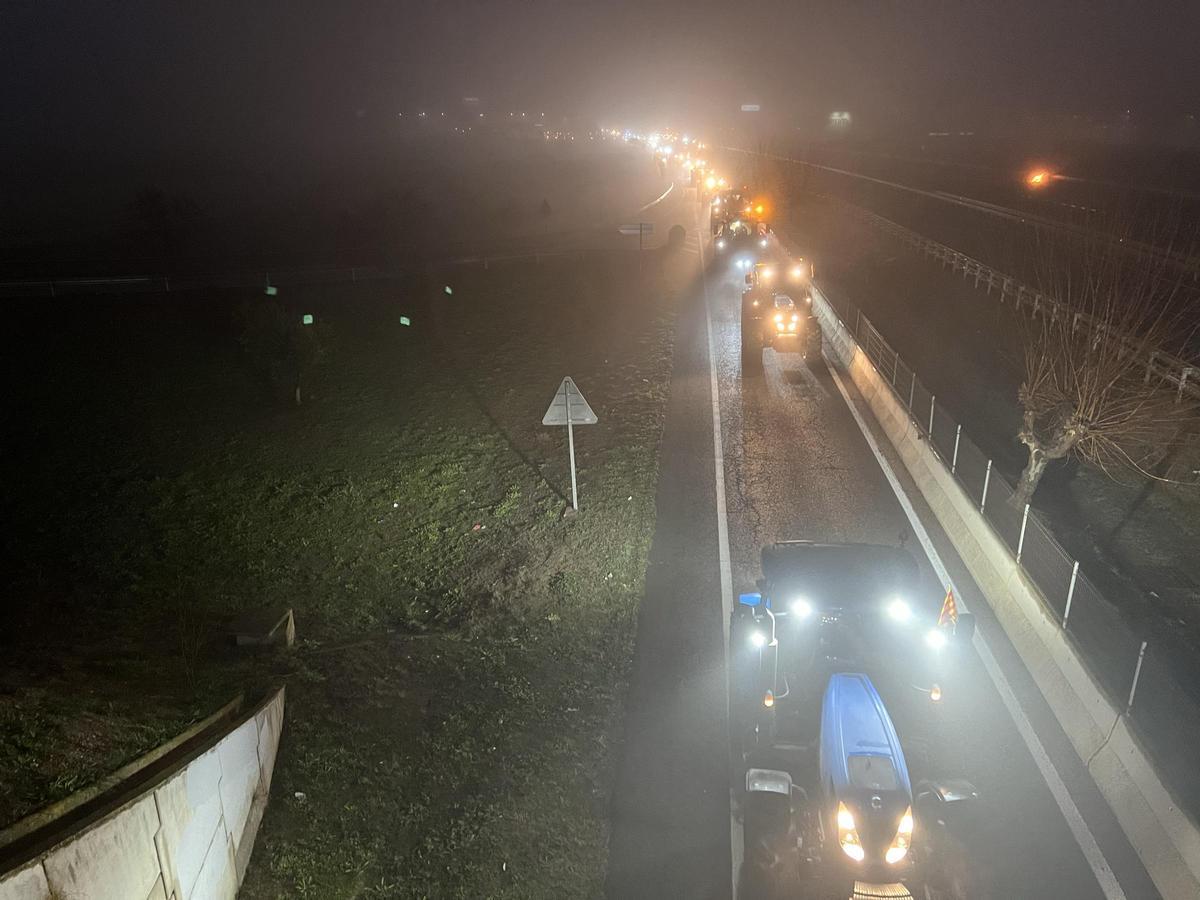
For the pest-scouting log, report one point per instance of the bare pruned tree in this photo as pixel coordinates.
(1102, 373)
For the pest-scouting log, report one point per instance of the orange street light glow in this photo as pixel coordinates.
(1038, 178)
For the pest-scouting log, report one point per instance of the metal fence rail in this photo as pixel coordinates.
(1159, 364)
(1158, 686)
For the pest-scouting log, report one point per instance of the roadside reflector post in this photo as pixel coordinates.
(954, 458)
(307, 319)
(987, 476)
(1021, 539)
(1070, 597)
(912, 389)
(405, 320)
(1137, 673)
(932, 407)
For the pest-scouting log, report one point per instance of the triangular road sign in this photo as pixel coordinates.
(569, 407)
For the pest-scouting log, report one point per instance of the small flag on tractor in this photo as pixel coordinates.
(949, 613)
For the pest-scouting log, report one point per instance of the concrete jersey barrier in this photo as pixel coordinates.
(1165, 838)
(185, 835)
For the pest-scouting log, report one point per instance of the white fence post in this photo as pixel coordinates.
(1070, 594)
(987, 476)
(954, 459)
(912, 389)
(932, 407)
(1137, 673)
(1021, 540)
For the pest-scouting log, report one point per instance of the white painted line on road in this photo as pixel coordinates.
(659, 199)
(735, 827)
(1083, 835)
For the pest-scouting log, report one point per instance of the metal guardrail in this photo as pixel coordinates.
(1159, 364)
(1165, 683)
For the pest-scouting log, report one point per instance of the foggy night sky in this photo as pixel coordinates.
(109, 84)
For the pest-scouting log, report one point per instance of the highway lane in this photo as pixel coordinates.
(670, 809)
(797, 465)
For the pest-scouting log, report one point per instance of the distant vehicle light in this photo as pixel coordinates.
(759, 209)
(758, 639)
(721, 245)
(797, 272)
(801, 607)
(769, 699)
(936, 639)
(935, 693)
(899, 610)
(763, 242)
(778, 317)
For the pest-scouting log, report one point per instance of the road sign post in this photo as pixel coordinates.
(570, 408)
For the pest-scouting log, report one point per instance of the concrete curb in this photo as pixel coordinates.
(1165, 838)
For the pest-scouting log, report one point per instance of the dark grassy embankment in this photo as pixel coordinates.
(456, 689)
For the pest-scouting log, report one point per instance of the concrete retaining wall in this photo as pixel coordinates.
(1165, 838)
(187, 836)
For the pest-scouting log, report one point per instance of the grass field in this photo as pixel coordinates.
(455, 693)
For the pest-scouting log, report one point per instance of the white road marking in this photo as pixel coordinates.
(735, 827)
(659, 199)
(1079, 828)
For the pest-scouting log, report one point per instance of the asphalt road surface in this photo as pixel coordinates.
(796, 463)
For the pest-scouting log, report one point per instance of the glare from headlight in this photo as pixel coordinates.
(778, 317)
(767, 273)
(903, 839)
(848, 834)
(758, 639)
(797, 272)
(801, 608)
(763, 242)
(899, 610)
(936, 639)
(721, 245)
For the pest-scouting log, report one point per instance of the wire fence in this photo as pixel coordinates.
(1156, 684)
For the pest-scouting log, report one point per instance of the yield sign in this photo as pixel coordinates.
(569, 407)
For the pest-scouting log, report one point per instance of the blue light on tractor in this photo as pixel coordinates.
(751, 599)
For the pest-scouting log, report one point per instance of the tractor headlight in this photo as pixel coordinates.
(903, 839)
(778, 317)
(758, 639)
(801, 608)
(936, 639)
(899, 610)
(848, 834)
